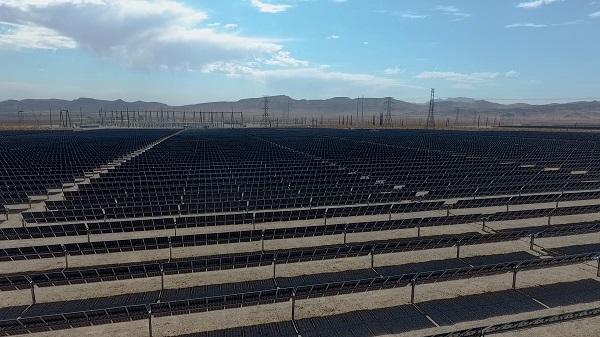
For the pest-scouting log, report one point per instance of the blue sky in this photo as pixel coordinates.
(183, 52)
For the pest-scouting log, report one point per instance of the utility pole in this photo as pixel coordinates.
(265, 117)
(430, 124)
(362, 109)
(288, 111)
(457, 114)
(388, 111)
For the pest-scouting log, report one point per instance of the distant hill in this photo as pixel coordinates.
(466, 108)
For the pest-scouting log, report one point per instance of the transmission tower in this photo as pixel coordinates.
(266, 121)
(388, 111)
(430, 124)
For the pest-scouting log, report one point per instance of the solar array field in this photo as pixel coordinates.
(307, 232)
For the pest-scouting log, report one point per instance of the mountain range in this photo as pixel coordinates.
(332, 108)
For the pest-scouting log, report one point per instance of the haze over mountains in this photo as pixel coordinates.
(328, 108)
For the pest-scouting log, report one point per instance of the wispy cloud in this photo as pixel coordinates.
(464, 78)
(543, 25)
(393, 71)
(512, 74)
(33, 37)
(333, 37)
(595, 15)
(270, 7)
(526, 25)
(536, 3)
(402, 14)
(452, 11)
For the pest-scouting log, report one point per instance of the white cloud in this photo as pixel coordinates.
(333, 37)
(393, 71)
(320, 73)
(134, 33)
(452, 11)
(463, 78)
(230, 26)
(269, 8)
(403, 14)
(284, 59)
(512, 74)
(595, 15)
(536, 3)
(526, 25)
(33, 37)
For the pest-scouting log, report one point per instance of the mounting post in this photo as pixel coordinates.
(325, 217)
(458, 250)
(483, 226)
(293, 305)
(262, 241)
(549, 217)
(87, 231)
(274, 264)
(390, 213)
(32, 291)
(162, 278)
(345, 233)
(514, 280)
(372, 254)
(419, 230)
(412, 291)
(531, 241)
(447, 210)
(149, 320)
(170, 250)
(66, 256)
(598, 271)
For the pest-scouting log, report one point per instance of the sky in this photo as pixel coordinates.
(186, 51)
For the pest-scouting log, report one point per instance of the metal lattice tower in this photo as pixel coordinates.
(430, 117)
(388, 111)
(266, 121)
